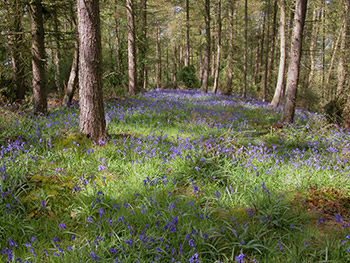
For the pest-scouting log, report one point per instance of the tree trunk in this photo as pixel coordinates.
(218, 54)
(159, 60)
(207, 48)
(118, 40)
(38, 57)
(56, 51)
(175, 65)
(131, 47)
(73, 77)
(341, 71)
(313, 44)
(187, 51)
(280, 81)
(294, 61)
(92, 119)
(230, 49)
(245, 66)
(143, 47)
(267, 50)
(273, 43)
(16, 47)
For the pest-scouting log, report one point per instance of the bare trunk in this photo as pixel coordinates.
(38, 57)
(159, 60)
(313, 47)
(267, 50)
(230, 49)
(92, 119)
(175, 65)
(273, 42)
(143, 47)
(207, 48)
(294, 61)
(341, 71)
(56, 50)
(187, 52)
(245, 66)
(217, 70)
(73, 77)
(118, 41)
(16, 48)
(280, 82)
(131, 47)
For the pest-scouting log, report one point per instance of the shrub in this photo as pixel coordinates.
(187, 77)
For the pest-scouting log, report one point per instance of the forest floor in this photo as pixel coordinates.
(182, 177)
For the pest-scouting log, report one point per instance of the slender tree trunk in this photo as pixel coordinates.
(267, 50)
(280, 81)
(144, 45)
(118, 40)
(273, 42)
(294, 61)
(245, 66)
(131, 47)
(201, 65)
(230, 49)
(175, 65)
(341, 71)
(167, 64)
(56, 50)
(181, 58)
(313, 44)
(159, 60)
(187, 51)
(38, 57)
(218, 54)
(73, 77)
(16, 47)
(207, 48)
(92, 119)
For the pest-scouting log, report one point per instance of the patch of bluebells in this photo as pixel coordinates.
(196, 111)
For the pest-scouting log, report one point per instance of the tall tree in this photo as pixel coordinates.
(38, 56)
(343, 45)
(73, 75)
(267, 50)
(187, 51)
(282, 64)
(13, 18)
(56, 50)
(143, 46)
(206, 72)
(230, 49)
(159, 59)
(92, 119)
(130, 10)
(218, 53)
(294, 61)
(244, 91)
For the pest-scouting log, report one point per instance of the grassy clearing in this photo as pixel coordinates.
(182, 178)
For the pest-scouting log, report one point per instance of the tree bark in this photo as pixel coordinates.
(73, 77)
(143, 46)
(245, 66)
(230, 49)
(341, 71)
(187, 51)
(218, 53)
(16, 48)
(282, 64)
(207, 48)
(56, 50)
(175, 65)
(267, 50)
(131, 46)
(294, 61)
(38, 57)
(313, 45)
(92, 120)
(159, 60)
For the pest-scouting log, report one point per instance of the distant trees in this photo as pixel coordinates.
(92, 119)
(144, 42)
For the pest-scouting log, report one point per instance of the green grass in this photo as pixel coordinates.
(182, 178)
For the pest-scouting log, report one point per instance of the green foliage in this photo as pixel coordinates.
(187, 77)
